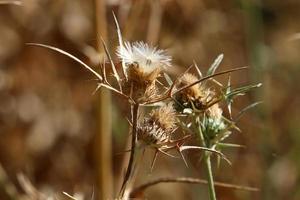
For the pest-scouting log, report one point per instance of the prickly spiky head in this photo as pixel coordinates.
(213, 123)
(158, 127)
(197, 94)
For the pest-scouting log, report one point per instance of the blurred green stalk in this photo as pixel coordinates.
(258, 55)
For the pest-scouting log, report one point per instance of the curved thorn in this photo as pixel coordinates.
(183, 148)
(68, 55)
(167, 154)
(153, 161)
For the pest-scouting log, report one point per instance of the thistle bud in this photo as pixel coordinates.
(213, 123)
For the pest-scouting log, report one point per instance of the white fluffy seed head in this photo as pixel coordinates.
(147, 58)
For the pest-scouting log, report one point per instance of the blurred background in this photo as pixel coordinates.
(55, 135)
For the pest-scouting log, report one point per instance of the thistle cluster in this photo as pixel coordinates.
(143, 65)
(202, 103)
(189, 96)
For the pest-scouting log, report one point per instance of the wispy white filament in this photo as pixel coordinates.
(148, 58)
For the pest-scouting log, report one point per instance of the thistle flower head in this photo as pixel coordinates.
(194, 91)
(157, 128)
(147, 58)
(198, 95)
(143, 65)
(213, 123)
(165, 116)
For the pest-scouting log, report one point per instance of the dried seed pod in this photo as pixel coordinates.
(196, 95)
(158, 127)
(141, 86)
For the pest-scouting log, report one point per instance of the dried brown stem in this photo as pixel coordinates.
(120, 44)
(209, 77)
(103, 72)
(131, 164)
(169, 93)
(116, 91)
(177, 79)
(116, 75)
(145, 186)
(69, 55)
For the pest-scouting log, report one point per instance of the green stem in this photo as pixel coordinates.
(211, 187)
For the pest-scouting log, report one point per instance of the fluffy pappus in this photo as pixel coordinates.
(143, 64)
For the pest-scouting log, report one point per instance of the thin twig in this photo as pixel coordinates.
(116, 75)
(131, 164)
(116, 91)
(178, 78)
(145, 186)
(209, 77)
(198, 69)
(103, 71)
(182, 148)
(169, 94)
(67, 54)
(120, 44)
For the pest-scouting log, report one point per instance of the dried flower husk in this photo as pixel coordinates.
(196, 96)
(159, 126)
(141, 85)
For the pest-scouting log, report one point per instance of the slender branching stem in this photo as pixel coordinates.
(124, 192)
(209, 77)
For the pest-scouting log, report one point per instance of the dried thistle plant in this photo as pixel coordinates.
(188, 95)
(201, 105)
(143, 65)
